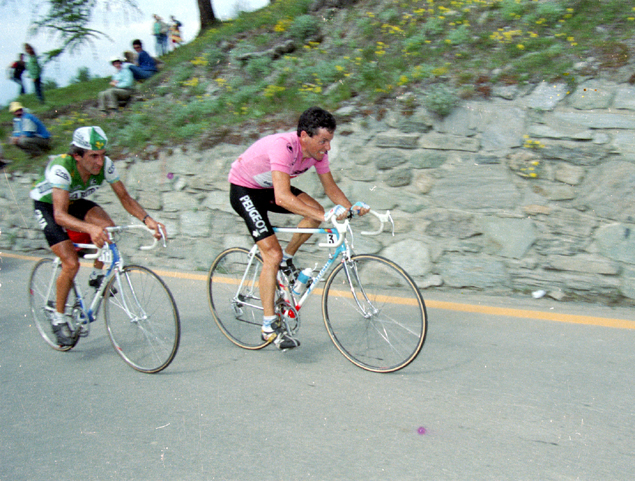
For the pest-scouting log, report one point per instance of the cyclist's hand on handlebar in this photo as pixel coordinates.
(98, 235)
(153, 224)
(338, 212)
(359, 208)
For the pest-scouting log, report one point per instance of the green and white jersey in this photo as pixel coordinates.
(61, 172)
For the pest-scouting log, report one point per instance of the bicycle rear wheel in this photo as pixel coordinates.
(142, 319)
(234, 300)
(42, 294)
(374, 313)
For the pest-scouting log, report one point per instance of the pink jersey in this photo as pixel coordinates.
(281, 152)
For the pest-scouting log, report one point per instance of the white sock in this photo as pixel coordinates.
(267, 321)
(286, 256)
(58, 318)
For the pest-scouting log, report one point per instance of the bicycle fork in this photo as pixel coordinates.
(352, 275)
(128, 307)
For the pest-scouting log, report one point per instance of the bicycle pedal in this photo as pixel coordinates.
(84, 330)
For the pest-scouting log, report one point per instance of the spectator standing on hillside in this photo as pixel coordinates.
(160, 31)
(146, 66)
(29, 133)
(18, 68)
(121, 87)
(35, 71)
(175, 33)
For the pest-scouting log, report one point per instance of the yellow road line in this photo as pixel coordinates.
(451, 306)
(521, 313)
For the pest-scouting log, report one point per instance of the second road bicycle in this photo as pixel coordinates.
(141, 316)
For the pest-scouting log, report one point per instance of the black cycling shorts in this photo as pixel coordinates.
(253, 204)
(45, 218)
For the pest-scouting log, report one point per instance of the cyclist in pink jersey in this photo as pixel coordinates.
(260, 182)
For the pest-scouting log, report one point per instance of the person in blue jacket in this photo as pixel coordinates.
(29, 133)
(146, 66)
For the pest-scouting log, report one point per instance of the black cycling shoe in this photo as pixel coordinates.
(96, 283)
(63, 336)
(281, 340)
(289, 270)
(284, 341)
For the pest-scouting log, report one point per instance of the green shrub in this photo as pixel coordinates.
(83, 75)
(215, 57)
(415, 44)
(512, 9)
(433, 27)
(440, 99)
(460, 36)
(304, 27)
(390, 15)
(49, 84)
(550, 11)
(259, 67)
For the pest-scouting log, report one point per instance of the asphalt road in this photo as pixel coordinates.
(496, 394)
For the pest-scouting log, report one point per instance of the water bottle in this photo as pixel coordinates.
(301, 283)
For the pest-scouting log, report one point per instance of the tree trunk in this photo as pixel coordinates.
(206, 12)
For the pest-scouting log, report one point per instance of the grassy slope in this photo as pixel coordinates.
(367, 55)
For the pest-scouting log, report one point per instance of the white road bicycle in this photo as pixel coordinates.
(372, 309)
(141, 316)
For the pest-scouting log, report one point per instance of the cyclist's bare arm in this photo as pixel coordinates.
(134, 208)
(286, 199)
(336, 195)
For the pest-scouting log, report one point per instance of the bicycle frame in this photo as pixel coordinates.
(109, 254)
(336, 238)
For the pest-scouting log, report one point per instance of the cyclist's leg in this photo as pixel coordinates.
(252, 205)
(70, 265)
(298, 239)
(62, 247)
(271, 254)
(98, 216)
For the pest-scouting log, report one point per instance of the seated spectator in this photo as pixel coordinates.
(146, 66)
(29, 133)
(122, 84)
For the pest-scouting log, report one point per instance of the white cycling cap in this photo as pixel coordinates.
(90, 138)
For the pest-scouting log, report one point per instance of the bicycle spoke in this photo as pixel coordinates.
(374, 314)
(142, 319)
(232, 289)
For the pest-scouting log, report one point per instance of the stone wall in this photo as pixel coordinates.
(532, 189)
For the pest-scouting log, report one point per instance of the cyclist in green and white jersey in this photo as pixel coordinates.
(60, 203)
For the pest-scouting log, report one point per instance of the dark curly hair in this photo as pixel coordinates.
(315, 118)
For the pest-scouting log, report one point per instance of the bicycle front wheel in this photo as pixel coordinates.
(142, 319)
(374, 313)
(232, 289)
(42, 295)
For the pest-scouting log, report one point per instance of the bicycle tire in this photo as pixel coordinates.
(142, 319)
(379, 322)
(239, 317)
(42, 308)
